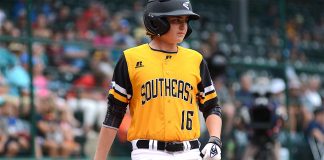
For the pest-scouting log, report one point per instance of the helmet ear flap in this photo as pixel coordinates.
(189, 31)
(156, 25)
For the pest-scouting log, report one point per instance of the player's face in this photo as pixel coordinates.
(178, 29)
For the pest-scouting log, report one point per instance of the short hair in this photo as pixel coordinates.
(319, 110)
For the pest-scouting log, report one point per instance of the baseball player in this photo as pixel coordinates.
(165, 86)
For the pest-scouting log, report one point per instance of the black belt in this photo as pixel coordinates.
(168, 146)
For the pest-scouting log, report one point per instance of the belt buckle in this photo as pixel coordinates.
(174, 146)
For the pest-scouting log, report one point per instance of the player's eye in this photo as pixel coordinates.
(177, 21)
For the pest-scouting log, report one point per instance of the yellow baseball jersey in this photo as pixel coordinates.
(164, 91)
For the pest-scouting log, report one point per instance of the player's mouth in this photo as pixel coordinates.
(181, 34)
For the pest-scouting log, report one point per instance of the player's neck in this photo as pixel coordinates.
(164, 46)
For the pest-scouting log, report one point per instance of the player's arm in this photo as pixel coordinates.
(108, 130)
(214, 125)
(208, 102)
(118, 98)
(208, 105)
(104, 143)
(212, 115)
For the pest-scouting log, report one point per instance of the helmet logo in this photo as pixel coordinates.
(186, 4)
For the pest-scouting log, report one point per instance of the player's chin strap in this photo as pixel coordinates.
(214, 140)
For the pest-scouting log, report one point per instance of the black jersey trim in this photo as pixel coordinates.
(121, 94)
(163, 50)
(121, 77)
(116, 102)
(205, 76)
(210, 92)
(208, 104)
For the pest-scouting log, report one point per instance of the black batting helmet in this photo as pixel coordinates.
(156, 12)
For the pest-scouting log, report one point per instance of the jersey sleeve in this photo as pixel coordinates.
(121, 87)
(207, 97)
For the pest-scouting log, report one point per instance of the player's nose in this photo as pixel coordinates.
(182, 26)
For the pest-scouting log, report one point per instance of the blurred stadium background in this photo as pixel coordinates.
(57, 59)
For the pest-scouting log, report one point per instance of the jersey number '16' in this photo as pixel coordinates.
(186, 120)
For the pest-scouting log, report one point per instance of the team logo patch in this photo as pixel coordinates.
(213, 151)
(139, 64)
(186, 4)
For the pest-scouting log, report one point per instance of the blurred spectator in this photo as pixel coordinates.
(3, 86)
(93, 18)
(5, 92)
(88, 100)
(16, 75)
(55, 136)
(15, 32)
(295, 108)
(6, 61)
(140, 34)
(75, 55)
(138, 12)
(104, 38)
(205, 50)
(2, 17)
(315, 134)
(40, 27)
(63, 20)
(214, 57)
(14, 131)
(40, 81)
(65, 124)
(277, 90)
(47, 9)
(3, 140)
(226, 101)
(101, 63)
(311, 98)
(7, 27)
(123, 34)
(19, 8)
(55, 51)
(243, 97)
(38, 56)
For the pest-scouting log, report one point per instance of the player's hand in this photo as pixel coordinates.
(212, 150)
